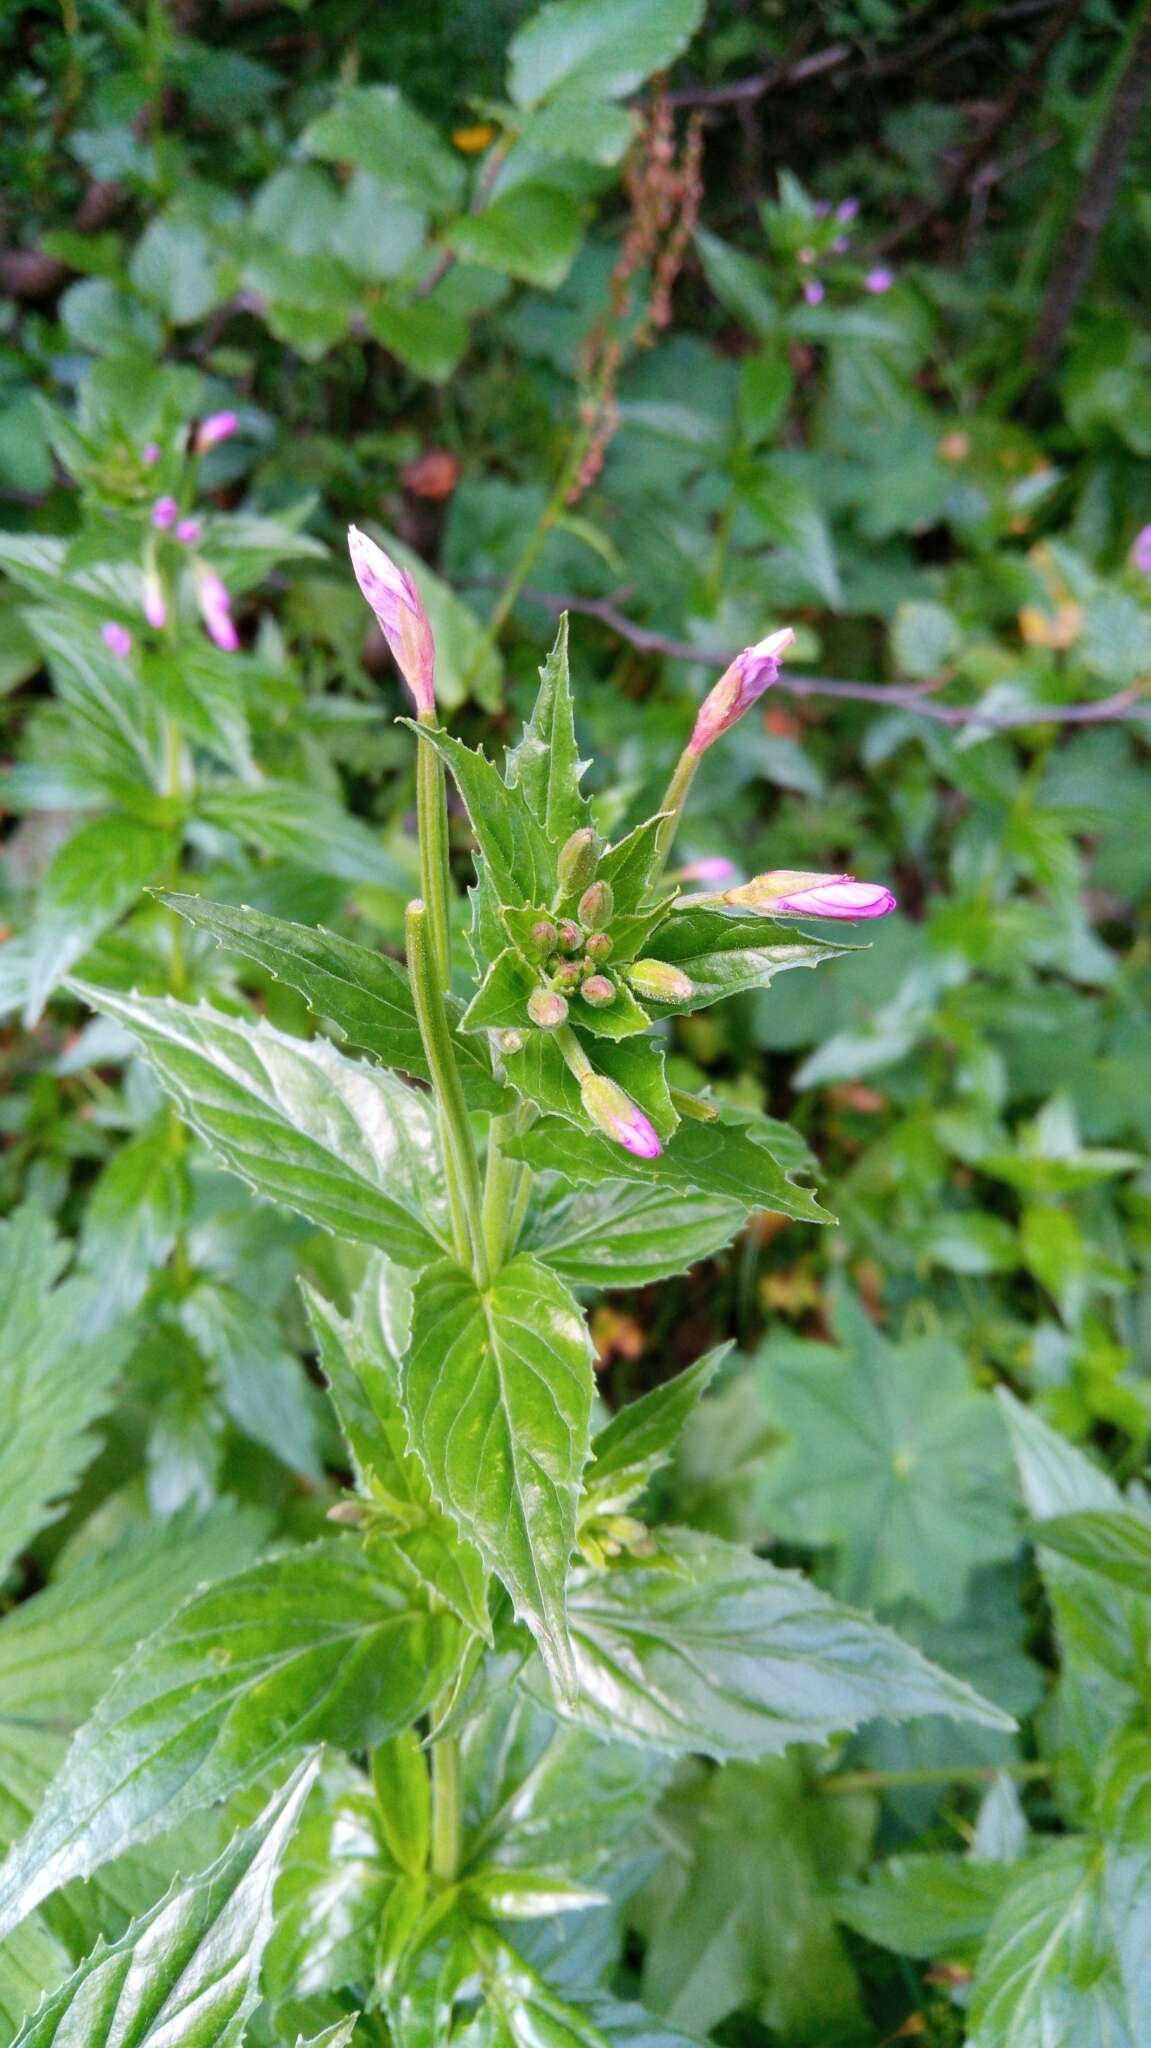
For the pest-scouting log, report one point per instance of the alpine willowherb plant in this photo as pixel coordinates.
(501, 1655)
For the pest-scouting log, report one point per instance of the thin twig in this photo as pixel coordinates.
(1079, 245)
(914, 697)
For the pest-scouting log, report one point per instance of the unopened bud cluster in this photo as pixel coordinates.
(570, 951)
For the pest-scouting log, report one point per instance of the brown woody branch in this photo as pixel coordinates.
(918, 698)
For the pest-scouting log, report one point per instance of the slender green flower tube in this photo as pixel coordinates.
(461, 1167)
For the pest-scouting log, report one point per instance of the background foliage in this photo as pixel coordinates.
(783, 346)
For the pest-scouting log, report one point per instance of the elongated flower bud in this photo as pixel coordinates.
(596, 905)
(598, 991)
(400, 615)
(599, 947)
(570, 935)
(786, 893)
(164, 514)
(618, 1116)
(547, 1008)
(219, 426)
(215, 608)
(155, 607)
(116, 638)
(750, 674)
(656, 981)
(577, 861)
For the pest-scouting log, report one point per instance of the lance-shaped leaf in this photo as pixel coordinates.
(132, 1218)
(721, 1158)
(715, 1650)
(187, 1974)
(303, 825)
(311, 1646)
(345, 1144)
(96, 876)
(723, 955)
(414, 1537)
(519, 856)
(1114, 1542)
(632, 1447)
(497, 1387)
(628, 866)
(364, 994)
(55, 1378)
(624, 1235)
(546, 765)
(1049, 1971)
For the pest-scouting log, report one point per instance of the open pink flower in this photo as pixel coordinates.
(879, 280)
(400, 615)
(219, 426)
(216, 608)
(165, 513)
(813, 292)
(750, 674)
(152, 453)
(188, 532)
(787, 893)
(116, 638)
(619, 1117)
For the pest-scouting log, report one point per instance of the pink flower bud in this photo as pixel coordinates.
(715, 868)
(618, 1117)
(219, 426)
(599, 991)
(401, 617)
(750, 674)
(813, 292)
(215, 608)
(188, 532)
(116, 638)
(547, 1008)
(165, 512)
(879, 280)
(1141, 551)
(152, 452)
(155, 608)
(786, 893)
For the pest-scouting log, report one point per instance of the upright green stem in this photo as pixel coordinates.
(844, 1783)
(568, 472)
(435, 877)
(465, 1190)
(447, 1810)
(674, 798)
(506, 1186)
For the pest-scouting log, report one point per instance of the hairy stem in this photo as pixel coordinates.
(501, 1188)
(447, 1810)
(461, 1167)
(671, 804)
(435, 877)
(844, 1783)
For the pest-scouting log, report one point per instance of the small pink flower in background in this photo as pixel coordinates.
(847, 209)
(155, 608)
(116, 638)
(1141, 551)
(713, 868)
(786, 893)
(750, 674)
(400, 615)
(807, 255)
(619, 1117)
(188, 531)
(219, 426)
(215, 608)
(841, 245)
(813, 292)
(152, 452)
(879, 280)
(165, 512)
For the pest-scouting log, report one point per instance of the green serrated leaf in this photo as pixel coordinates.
(497, 1388)
(597, 48)
(1115, 1543)
(501, 1001)
(365, 995)
(545, 764)
(639, 1440)
(303, 825)
(306, 1647)
(414, 1537)
(133, 1215)
(96, 876)
(344, 1144)
(623, 1235)
(927, 1905)
(722, 955)
(718, 1158)
(628, 865)
(186, 1975)
(55, 1378)
(714, 1650)
(518, 855)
